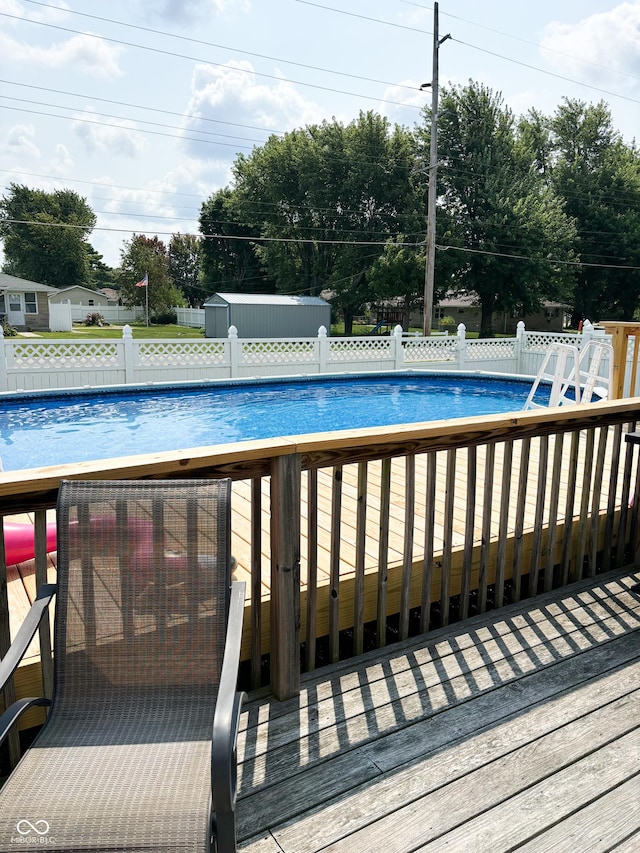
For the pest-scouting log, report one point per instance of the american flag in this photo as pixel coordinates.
(144, 282)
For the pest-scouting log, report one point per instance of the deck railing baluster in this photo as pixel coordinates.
(447, 540)
(256, 582)
(312, 566)
(552, 524)
(383, 551)
(469, 531)
(485, 547)
(334, 569)
(523, 486)
(505, 495)
(596, 498)
(407, 559)
(538, 525)
(585, 494)
(567, 539)
(361, 534)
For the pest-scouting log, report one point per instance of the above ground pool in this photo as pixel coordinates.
(51, 428)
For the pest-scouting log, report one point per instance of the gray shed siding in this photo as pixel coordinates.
(265, 317)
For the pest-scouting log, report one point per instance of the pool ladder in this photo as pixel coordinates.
(575, 376)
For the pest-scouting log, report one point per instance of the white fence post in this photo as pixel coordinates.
(399, 349)
(521, 338)
(323, 349)
(129, 354)
(234, 351)
(461, 346)
(4, 383)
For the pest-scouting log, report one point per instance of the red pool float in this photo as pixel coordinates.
(19, 541)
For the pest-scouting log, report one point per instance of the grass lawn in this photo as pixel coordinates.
(139, 331)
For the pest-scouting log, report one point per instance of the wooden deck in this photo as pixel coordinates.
(514, 730)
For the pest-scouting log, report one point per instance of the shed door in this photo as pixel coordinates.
(15, 309)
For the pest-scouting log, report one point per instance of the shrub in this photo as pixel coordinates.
(94, 318)
(7, 329)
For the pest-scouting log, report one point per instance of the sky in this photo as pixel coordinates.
(141, 107)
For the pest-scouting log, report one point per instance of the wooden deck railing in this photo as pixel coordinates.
(358, 537)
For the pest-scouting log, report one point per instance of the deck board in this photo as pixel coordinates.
(480, 737)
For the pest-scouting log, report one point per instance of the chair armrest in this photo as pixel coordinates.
(226, 721)
(9, 717)
(26, 632)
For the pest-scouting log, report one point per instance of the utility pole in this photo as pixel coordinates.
(433, 175)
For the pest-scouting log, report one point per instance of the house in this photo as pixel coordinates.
(77, 294)
(453, 310)
(24, 304)
(256, 315)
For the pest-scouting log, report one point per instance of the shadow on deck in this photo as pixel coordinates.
(517, 729)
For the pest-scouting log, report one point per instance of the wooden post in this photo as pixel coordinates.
(286, 474)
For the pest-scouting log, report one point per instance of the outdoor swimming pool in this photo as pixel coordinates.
(48, 428)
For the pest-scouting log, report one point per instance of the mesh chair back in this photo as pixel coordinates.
(144, 575)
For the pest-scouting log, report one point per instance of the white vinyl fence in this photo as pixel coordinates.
(32, 364)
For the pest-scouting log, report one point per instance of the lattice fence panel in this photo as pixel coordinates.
(183, 353)
(65, 355)
(495, 348)
(430, 349)
(278, 352)
(365, 350)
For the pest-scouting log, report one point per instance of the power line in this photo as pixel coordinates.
(313, 241)
(222, 46)
(527, 41)
(142, 107)
(241, 70)
(474, 47)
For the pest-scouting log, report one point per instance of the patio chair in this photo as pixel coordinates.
(139, 748)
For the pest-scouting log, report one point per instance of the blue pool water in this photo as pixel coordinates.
(50, 429)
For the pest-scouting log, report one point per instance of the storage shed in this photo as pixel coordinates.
(256, 315)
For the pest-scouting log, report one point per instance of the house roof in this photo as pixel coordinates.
(472, 300)
(12, 282)
(78, 287)
(263, 299)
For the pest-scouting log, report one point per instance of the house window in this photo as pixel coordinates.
(30, 303)
(3, 308)
(91, 302)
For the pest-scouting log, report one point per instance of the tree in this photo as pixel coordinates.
(511, 228)
(45, 235)
(148, 256)
(230, 261)
(598, 176)
(184, 267)
(326, 198)
(399, 273)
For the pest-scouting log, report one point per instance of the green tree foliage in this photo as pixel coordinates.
(184, 267)
(148, 256)
(512, 228)
(398, 273)
(229, 259)
(598, 176)
(326, 198)
(45, 236)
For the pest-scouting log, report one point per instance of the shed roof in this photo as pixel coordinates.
(12, 282)
(265, 299)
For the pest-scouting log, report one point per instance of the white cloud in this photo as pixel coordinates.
(82, 53)
(116, 137)
(234, 92)
(51, 12)
(188, 11)
(402, 103)
(608, 40)
(21, 143)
